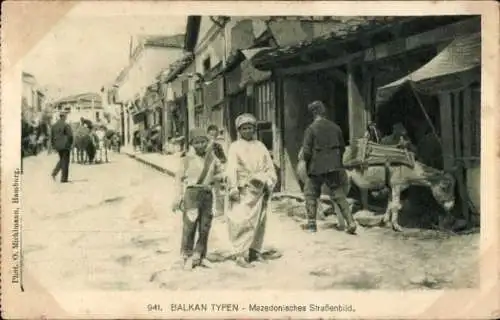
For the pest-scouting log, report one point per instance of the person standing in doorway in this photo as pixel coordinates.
(62, 141)
(323, 148)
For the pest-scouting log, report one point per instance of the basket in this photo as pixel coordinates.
(369, 153)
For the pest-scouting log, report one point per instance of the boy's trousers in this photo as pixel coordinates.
(197, 220)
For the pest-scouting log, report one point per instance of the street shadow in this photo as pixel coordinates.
(220, 256)
(103, 163)
(78, 180)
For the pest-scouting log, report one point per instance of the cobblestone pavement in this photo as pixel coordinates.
(111, 229)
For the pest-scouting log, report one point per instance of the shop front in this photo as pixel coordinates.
(445, 93)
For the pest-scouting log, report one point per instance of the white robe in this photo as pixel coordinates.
(249, 160)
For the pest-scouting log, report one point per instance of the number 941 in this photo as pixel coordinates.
(154, 307)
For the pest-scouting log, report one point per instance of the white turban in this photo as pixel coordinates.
(244, 119)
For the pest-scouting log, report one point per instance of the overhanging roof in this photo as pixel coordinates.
(454, 67)
(170, 73)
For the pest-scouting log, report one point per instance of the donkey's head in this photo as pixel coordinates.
(443, 189)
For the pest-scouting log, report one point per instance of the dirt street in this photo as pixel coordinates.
(112, 229)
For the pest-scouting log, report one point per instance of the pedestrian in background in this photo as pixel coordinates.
(213, 134)
(199, 171)
(218, 150)
(322, 149)
(62, 140)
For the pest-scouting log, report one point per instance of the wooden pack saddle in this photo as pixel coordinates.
(369, 153)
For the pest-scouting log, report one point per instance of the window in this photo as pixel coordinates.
(97, 115)
(206, 64)
(198, 117)
(198, 97)
(265, 134)
(185, 86)
(217, 116)
(264, 101)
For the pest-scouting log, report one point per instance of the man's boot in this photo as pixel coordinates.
(311, 208)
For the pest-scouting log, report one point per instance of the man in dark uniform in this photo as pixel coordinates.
(62, 140)
(323, 148)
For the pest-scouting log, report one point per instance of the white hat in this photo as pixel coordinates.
(244, 119)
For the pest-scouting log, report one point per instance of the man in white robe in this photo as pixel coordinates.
(251, 177)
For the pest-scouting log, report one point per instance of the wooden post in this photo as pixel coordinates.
(279, 128)
(127, 126)
(168, 111)
(356, 105)
(467, 127)
(458, 155)
(368, 94)
(446, 130)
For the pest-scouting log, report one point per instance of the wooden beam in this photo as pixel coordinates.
(386, 50)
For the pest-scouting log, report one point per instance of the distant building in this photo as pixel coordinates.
(85, 105)
(33, 98)
(136, 87)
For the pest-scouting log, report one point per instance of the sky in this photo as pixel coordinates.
(87, 50)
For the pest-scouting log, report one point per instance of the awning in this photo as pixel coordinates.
(455, 67)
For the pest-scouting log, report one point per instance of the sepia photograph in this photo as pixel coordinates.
(166, 149)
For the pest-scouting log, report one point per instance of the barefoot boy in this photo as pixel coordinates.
(199, 170)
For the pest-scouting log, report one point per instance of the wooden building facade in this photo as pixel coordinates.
(353, 74)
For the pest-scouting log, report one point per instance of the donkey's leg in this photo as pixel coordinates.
(386, 218)
(364, 199)
(396, 208)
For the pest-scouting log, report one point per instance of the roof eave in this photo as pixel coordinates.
(183, 65)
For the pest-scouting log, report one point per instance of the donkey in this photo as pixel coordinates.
(397, 178)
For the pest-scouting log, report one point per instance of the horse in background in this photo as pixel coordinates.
(81, 143)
